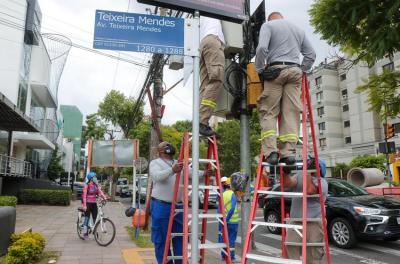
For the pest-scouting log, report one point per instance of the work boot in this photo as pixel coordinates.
(205, 130)
(273, 158)
(289, 160)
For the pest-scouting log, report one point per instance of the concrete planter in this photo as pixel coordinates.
(7, 223)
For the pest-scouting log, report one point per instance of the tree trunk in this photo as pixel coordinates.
(114, 179)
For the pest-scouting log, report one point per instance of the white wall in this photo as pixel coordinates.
(11, 48)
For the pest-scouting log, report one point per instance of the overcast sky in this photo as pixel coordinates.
(88, 77)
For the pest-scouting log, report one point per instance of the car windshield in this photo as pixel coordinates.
(143, 183)
(344, 189)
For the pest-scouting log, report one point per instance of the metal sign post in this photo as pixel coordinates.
(195, 138)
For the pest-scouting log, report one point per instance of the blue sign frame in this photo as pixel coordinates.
(138, 33)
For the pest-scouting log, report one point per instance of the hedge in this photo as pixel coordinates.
(43, 196)
(25, 247)
(8, 201)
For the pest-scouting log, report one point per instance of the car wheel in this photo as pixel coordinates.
(341, 233)
(273, 217)
(391, 239)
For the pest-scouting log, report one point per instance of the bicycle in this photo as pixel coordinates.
(102, 227)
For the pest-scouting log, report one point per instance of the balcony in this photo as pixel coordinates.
(13, 167)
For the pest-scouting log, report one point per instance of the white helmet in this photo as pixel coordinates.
(224, 179)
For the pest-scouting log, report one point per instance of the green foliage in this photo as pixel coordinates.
(142, 133)
(382, 91)
(369, 162)
(229, 143)
(119, 110)
(366, 29)
(55, 169)
(183, 126)
(95, 128)
(8, 201)
(143, 240)
(42, 196)
(25, 248)
(340, 170)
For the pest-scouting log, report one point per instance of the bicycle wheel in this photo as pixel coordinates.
(79, 225)
(104, 232)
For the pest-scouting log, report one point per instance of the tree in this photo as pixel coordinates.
(142, 133)
(95, 128)
(383, 94)
(122, 111)
(55, 169)
(340, 170)
(369, 162)
(183, 126)
(368, 30)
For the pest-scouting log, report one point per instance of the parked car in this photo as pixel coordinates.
(143, 187)
(125, 192)
(78, 188)
(212, 198)
(352, 214)
(121, 183)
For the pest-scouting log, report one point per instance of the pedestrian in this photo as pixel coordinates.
(212, 66)
(278, 63)
(231, 215)
(314, 221)
(91, 190)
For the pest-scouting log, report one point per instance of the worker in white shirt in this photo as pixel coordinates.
(212, 64)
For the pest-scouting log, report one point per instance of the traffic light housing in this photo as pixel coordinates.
(389, 131)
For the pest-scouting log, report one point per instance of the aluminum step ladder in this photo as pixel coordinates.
(300, 229)
(212, 164)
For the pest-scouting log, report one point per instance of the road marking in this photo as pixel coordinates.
(264, 248)
(380, 249)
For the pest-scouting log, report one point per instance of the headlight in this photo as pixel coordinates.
(366, 210)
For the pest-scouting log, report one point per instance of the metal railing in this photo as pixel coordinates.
(10, 166)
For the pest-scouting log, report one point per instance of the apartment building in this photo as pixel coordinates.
(345, 128)
(29, 85)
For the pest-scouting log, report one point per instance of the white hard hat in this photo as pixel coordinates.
(224, 179)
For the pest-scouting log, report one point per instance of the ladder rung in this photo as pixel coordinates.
(204, 187)
(301, 220)
(181, 234)
(272, 259)
(201, 216)
(297, 164)
(210, 246)
(299, 244)
(206, 161)
(289, 194)
(277, 225)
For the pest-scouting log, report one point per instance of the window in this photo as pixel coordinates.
(344, 94)
(345, 108)
(396, 128)
(3, 143)
(22, 95)
(322, 142)
(320, 111)
(319, 96)
(342, 77)
(321, 126)
(346, 123)
(388, 67)
(318, 81)
(347, 140)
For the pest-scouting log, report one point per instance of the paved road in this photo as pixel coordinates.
(368, 252)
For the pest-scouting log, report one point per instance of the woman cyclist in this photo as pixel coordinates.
(91, 190)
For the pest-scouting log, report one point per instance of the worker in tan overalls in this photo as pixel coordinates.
(212, 64)
(278, 62)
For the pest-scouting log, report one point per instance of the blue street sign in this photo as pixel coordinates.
(138, 33)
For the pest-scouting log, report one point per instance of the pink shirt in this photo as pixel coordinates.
(90, 192)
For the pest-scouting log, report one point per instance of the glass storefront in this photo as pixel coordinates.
(3, 142)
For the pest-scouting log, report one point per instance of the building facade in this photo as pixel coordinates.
(344, 125)
(29, 83)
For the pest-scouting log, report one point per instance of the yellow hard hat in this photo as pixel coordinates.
(228, 181)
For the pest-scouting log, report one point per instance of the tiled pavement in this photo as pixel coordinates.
(57, 224)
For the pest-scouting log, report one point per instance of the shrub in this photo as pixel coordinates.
(8, 201)
(369, 162)
(340, 169)
(25, 247)
(42, 196)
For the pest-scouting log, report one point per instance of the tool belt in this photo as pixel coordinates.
(271, 74)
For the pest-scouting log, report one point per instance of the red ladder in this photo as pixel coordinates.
(283, 225)
(212, 163)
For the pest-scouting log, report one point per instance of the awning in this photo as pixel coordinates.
(13, 119)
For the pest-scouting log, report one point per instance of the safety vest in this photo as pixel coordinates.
(227, 195)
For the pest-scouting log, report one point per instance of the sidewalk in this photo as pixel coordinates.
(58, 225)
